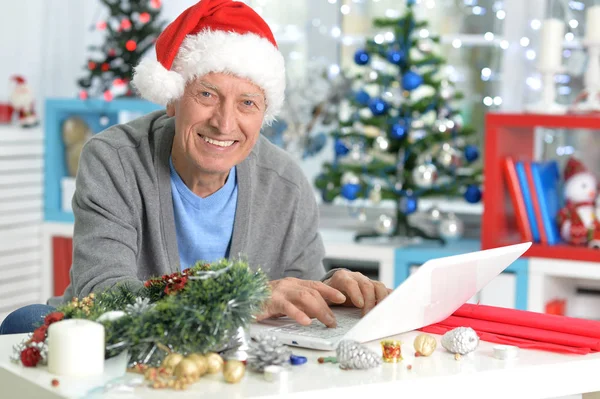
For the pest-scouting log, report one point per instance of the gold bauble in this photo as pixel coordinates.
(234, 371)
(214, 362)
(73, 155)
(171, 361)
(187, 370)
(74, 130)
(200, 361)
(425, 344)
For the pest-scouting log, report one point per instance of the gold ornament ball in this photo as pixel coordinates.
(187, 370)
(425, 344)
(200, 361)
(74, 131)
(171, 361)
(214, 362)
(234, 371)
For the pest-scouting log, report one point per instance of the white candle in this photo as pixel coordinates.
(550, 54)
(76, 348)
(592, 24)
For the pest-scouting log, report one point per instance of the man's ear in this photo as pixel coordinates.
(171, 109)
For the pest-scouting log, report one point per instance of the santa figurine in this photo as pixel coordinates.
(578, 220)
(23, 100)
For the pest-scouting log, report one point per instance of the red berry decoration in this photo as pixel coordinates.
(30, 357)
(53, 317)
(55, 382)
(39, 335)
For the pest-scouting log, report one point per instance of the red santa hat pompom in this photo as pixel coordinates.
(18, 79)
(574, 167)
(214, 36)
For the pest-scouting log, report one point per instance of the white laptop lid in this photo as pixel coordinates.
(431, 294)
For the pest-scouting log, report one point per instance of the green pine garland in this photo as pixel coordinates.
(196, 311)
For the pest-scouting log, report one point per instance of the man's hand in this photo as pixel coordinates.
(360, 291)
(302, 300)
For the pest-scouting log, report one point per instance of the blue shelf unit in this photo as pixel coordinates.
(406, 257)
(99, 115)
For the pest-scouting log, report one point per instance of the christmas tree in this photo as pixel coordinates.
(400, 136)
(131, 29)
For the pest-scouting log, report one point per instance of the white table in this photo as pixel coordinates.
(534, 374)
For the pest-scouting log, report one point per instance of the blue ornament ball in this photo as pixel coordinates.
(408, 204)
(473, 194)
(411, 80)
(411, 2)
(350, 191)
(471, 153)
(340, 148)
(395, 56)
(361, 57)
(378, 106)
(398, 131)
(362, 97)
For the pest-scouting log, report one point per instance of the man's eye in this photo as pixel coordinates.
(249, 103)
(205, 94)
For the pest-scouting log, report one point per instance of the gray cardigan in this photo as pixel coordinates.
(124, 225)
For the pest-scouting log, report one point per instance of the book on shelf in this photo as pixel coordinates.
(535, 193)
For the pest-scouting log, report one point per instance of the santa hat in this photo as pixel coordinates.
(19, 79)
(214, 36)
(573, 168)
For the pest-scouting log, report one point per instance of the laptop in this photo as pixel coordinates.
(429, 295)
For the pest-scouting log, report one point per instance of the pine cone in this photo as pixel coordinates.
(352, 355)
(30, 357)
(266, 350)
(461, 340)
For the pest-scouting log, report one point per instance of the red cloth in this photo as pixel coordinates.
(524, 329)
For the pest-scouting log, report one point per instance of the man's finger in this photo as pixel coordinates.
(295, 313)
(381, 291)
(328, 293)
(313, 304)
(352, 290)
(367, 289)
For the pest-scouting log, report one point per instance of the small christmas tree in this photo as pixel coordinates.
(400, 136)
(131, 29)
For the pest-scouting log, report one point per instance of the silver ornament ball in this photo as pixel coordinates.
(381, 143)
(425, 175)
(451, 228)
(385, 225)
(350, 178)
(449, 157)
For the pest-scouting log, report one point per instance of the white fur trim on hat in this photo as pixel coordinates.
(247, 56)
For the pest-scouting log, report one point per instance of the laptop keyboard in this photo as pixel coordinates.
(346, 318)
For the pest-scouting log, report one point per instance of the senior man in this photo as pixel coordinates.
(199, 182)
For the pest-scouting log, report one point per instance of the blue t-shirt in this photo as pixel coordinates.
(204, 226)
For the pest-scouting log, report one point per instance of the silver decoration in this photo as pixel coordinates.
(385, 225)
(425, 175)
(416, 124)
(443, 125)
(461, 340)
(434, 214)
(237, 347)
(375, 194)
(426, 46)
(381, 143)
(352, 355)
(141, 305)
(350, 178)
(15, 357)
(451, 227)
(266, 350)
(416, 135)
(449, 157)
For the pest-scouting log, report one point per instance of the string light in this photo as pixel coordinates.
(489, 36)
(500, 14)
(345, 9)
(524, 41)
(530, 54)
(457, 43)
(535, 24)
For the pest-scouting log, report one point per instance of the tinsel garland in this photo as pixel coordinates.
(198, 310)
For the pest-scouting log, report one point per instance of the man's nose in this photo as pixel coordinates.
(223, 118)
